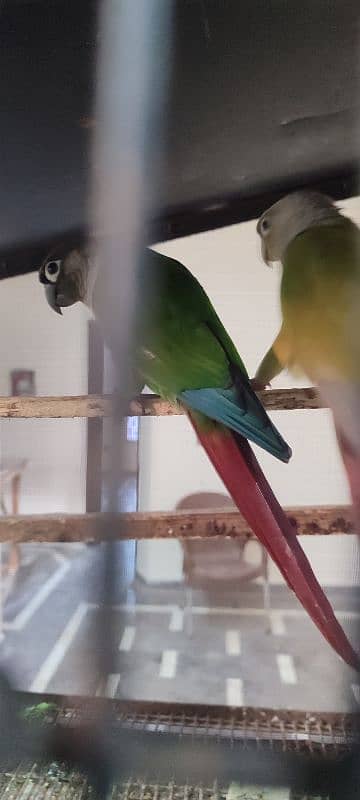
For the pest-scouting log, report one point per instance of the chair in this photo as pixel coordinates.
(217, 563)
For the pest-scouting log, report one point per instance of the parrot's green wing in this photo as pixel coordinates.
(190, 357)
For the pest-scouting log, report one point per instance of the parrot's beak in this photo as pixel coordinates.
(264, 253)
(50, 292)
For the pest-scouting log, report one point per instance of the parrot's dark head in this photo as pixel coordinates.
(289, 217)
(64, 274)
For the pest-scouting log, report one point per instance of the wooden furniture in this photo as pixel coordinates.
(218, 564)
(10, 476)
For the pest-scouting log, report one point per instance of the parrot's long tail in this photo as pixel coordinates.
(238, 468)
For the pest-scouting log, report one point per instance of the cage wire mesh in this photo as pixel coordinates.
(53, 782)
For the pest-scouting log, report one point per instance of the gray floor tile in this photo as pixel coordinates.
(203, 665)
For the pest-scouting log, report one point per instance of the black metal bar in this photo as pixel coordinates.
(209, 214)
(28, 257)
(218, 212)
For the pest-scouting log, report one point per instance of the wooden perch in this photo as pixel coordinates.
(55, 407)
(145, 405)
(308, 521)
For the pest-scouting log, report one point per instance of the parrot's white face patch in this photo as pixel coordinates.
(52, 270)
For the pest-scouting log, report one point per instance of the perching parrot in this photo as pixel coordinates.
(184, 353)
(319, 250)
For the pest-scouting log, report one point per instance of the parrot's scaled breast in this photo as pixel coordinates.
(320, 298)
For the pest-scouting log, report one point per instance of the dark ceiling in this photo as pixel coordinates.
(264, 98)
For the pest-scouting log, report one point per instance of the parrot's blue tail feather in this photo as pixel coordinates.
(249, 419)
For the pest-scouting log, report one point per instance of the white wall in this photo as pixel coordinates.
(245, 294)
(33, 337)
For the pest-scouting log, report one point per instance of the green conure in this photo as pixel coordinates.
(319, 250)
(183, 352)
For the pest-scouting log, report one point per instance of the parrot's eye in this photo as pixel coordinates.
(51, 270)
(265, 226)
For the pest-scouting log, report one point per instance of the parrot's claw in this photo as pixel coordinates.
(257, 386)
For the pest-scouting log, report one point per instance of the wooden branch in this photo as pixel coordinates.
(272, 399)
(55, 407)
(289, 399)
(145, 405)
(308, 521)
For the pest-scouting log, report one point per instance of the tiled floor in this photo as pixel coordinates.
(236, 653)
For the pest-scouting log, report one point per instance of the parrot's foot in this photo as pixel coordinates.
(258, 386)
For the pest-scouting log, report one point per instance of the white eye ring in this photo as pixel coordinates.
(265, 226)
(51, 270)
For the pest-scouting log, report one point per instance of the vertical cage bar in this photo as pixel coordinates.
(132, 71)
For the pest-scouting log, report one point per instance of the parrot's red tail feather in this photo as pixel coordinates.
(238, 468)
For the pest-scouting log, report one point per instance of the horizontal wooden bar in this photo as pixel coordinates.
(308, 521)
(145, 405)
(55, 407)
